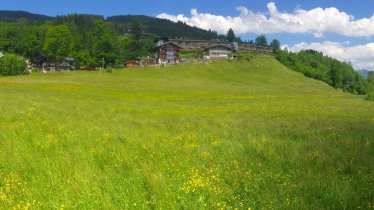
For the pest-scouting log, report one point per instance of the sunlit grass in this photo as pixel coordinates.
(199, 136)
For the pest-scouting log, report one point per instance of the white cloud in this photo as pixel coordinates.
(361, 56)
(317, 21)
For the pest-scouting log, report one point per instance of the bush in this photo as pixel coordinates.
(109, 69)
(370, 96)
(12, 65)
(244, 55)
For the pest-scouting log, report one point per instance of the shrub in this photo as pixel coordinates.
(109, 69)
(244, 55)
(12, 65)
(370, 96)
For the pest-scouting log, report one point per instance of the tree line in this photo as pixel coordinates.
(311, 63)
(164, 28)
(340, 75)
(89, 39)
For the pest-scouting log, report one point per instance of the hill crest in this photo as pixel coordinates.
(153, 25)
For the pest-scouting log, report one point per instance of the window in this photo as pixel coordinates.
(170, 55)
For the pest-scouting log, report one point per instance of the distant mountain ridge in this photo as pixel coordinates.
(163, 27)
(156, 26)
(364, 73)
(7, 15)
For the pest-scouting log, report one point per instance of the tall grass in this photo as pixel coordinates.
(220, 135)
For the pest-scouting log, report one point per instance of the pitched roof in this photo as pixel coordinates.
(169, 43)
(219, 45)
(131, 61)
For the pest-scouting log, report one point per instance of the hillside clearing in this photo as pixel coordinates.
(219, 135)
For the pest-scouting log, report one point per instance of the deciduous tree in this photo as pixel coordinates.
(58, 42)
(275, 44)
(261, 40)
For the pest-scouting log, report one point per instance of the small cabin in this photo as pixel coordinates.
(167, 53)
(67, 63)
(1, 55)
(218, 52)
(131, 64)
(145, 61)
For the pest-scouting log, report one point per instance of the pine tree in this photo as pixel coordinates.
(230, 35)
(275, 44)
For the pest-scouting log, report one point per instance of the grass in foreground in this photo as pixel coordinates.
(221, 135)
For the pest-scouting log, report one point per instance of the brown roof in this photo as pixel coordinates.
(219, 45)
(169, 43)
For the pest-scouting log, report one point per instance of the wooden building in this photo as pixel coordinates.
(200, 44)
(67, 63)
(238, 46)
(264, 49)
(131, 64)
(218, 52)
(43, 63)
(146, 61)
(167, 53)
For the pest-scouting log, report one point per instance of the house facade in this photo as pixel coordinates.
(146, 61)
(67, 63)
(218, 52)
(43, 63)
(167, 53)
(237, 46)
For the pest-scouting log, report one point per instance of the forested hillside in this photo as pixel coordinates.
(164, 28)
(16, 15)
(89, 39)
(152, 25)
(314, 64)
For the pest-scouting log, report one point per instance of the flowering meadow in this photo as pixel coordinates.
(224, 135)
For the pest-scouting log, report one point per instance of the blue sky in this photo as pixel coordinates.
(324, 25)
(223, 7)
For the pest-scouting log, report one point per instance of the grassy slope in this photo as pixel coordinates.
(247, 134)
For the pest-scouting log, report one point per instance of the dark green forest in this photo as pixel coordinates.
(9, 16)
(89, 39)
(163, 28)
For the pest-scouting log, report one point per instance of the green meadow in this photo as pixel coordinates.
(224, 135)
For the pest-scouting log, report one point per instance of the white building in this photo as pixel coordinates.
(1, 55)
(218, 52)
